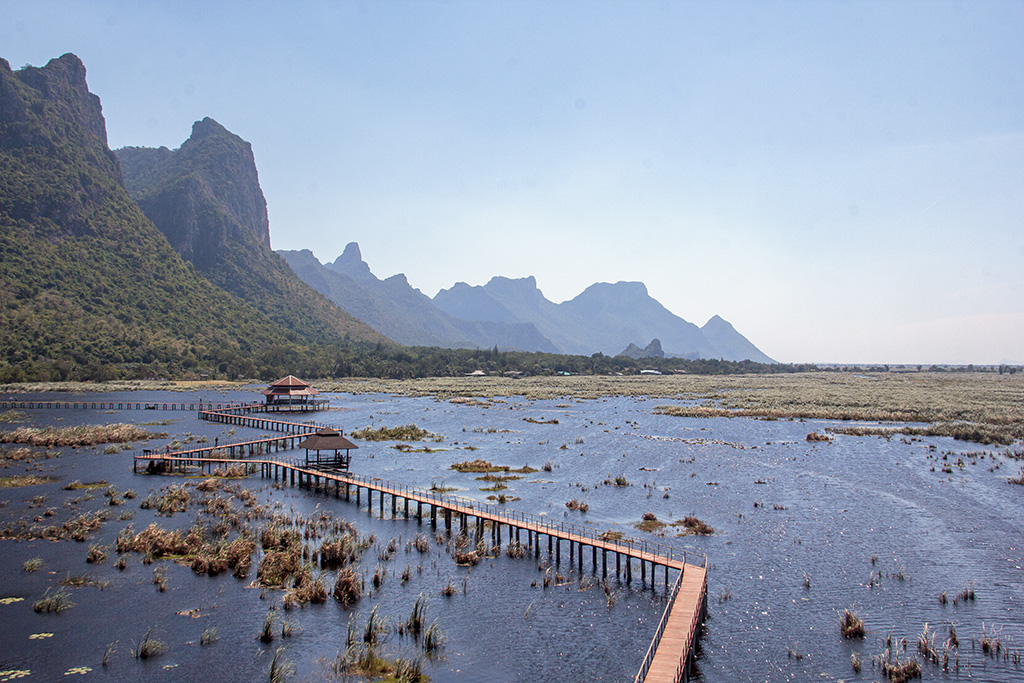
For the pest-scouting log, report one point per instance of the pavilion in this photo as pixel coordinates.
(289, 391)
(328, 439)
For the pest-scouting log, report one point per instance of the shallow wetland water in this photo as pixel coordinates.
(803, 530)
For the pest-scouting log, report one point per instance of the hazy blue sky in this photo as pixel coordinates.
(843, 181)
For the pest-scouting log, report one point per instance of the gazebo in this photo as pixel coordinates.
(328, 439)
(290, 390)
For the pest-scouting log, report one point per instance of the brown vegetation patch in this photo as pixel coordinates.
(693, 526)
(81, 435)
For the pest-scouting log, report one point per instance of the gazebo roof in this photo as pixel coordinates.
(327, 439)
(291, 382)
(290, 386)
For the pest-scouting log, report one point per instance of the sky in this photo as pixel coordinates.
(842, 181)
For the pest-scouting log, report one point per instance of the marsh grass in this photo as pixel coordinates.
(691, 525)
(850, 625)
(82, 581)
(32, 565)
(209, 636)
(649, 523)
(21, 480)
(53, 601)
(79, 435)
(281, 669)
(409, 432)
(347, 587)
(483, 466)
(149, 646)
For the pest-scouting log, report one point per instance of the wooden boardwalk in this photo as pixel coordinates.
(670, 655)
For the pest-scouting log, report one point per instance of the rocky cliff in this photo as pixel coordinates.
(206, 199)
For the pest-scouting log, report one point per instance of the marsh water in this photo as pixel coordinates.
(803, 530)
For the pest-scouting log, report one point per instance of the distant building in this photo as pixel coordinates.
(290, 390)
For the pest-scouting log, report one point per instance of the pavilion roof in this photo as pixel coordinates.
(291, 381)
(327, 439)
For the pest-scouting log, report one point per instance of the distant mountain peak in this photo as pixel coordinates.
(351, 263)
(206, 128)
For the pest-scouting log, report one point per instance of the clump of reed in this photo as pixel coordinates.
(53, 601)
(307, 589)
(466, 559)
(894, 669)
(610, 535)
(483, 466)
(32, 565)
(577, 505)
(410, 432)
(347, 587)
(449, 589)
(149, 646)
(376, 628)
(160, 578)
(620, 480)
(341, 550)
(650, 523)
(268, 631)
(850, 625)
(421, 543)
(173, 499)
(281, 669)
(516, 550)
(209, 636)
(97, 553)
(83, 580)
(692, 525)
(816, 437)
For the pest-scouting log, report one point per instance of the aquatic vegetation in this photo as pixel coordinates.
(649, 523)
(54, 602)
(281, 669)
(21, 480)
(347, 587)
(79, 435)
(577, 505)
(850, 625)
(97, 553)
(481, 466)
(409, 432)
(83, 580)
(894, 669)
(149, 646)
(32, 565)
(692, 525)
(209, 636)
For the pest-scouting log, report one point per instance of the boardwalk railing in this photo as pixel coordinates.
(526, 518)
(649, 657)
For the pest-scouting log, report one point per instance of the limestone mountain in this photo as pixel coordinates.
(603, 318)
(205, 197)
(402, 312)
(90, 288)
(652, 350)
(730, 343)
